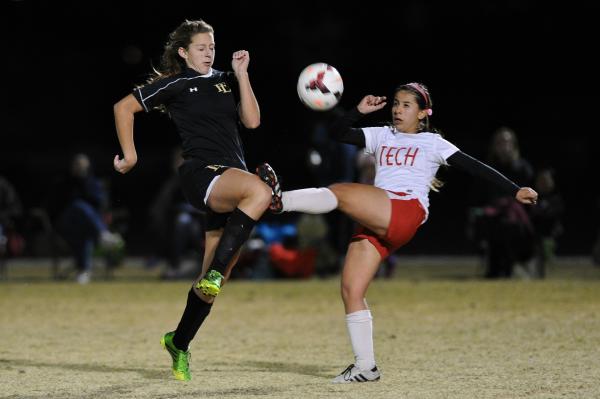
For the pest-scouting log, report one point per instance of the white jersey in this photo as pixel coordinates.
(407, 162)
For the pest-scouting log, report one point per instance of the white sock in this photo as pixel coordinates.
(309, 200)
(360, 329)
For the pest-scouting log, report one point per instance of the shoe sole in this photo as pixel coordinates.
(355, 382)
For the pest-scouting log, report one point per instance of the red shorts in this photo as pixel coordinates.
(407, 216)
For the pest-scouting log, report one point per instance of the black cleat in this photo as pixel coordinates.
(267, 175)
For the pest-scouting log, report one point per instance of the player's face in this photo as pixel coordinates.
(200, 54)
(406, 113)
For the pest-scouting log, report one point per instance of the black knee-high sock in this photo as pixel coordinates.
(193, 316)
(236, 232)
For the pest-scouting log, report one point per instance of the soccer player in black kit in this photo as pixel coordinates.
(206, 106)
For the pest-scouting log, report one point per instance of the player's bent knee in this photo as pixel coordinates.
(340, 190)
(256, 188)
(263, 195)
(337, 188)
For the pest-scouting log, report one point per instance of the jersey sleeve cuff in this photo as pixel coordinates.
(137, 93)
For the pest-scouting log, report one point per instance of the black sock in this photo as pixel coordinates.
(193, 316)
(237, 230)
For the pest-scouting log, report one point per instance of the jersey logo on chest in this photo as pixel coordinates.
(397, 156)
(223, 88)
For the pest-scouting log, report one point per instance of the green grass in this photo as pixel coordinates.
(437, 335)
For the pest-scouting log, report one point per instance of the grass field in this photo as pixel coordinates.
(439, 333)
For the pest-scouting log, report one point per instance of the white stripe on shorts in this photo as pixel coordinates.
(210, 187)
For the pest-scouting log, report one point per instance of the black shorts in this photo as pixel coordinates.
(196, 177)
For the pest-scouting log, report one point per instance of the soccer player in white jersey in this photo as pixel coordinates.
(389, 212)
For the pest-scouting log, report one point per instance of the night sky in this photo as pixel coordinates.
(520, 64)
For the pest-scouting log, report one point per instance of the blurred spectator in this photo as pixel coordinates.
(546, 220)
(312, 236)
(506, 156)
(284, 258)
(291, 250)
(290, 261)
(502, 227)
(11, 242)
(176, 226)
(76, 207)
(596, 246)
(330, 161)
(365, 164)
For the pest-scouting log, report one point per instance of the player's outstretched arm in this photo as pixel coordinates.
(526, 195)
(124, 111)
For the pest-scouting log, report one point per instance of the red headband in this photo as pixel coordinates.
(423, 93)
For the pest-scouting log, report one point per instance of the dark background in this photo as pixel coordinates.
(527, 65)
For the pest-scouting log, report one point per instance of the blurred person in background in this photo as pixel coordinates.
(408, 154)
(312, 235)
(596, 245)
(11, 209)
(546, 219)
(208, 107)
(331, 162)
(77, 207)
(176, 226)
(501, 225)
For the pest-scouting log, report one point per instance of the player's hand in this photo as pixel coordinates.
(239, 61)
(371, 104)
(124, 165)
(527, 195)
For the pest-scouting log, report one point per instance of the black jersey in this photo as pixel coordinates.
(205, 111)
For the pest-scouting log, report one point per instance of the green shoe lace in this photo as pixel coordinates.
(211, 283)
(181, 359)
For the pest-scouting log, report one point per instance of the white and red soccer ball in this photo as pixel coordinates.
(320, 86)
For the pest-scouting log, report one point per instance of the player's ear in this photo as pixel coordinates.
(182, 53)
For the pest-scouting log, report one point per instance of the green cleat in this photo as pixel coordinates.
(210, 284)
(181, 359)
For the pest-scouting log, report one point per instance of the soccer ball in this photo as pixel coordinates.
(320, 86)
